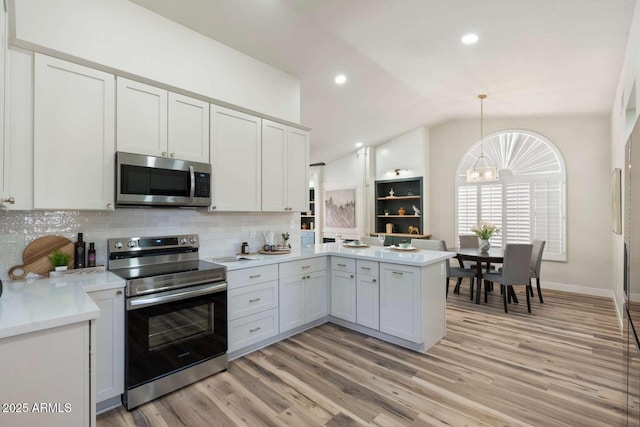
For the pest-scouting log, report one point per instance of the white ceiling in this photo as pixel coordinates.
(405, 63)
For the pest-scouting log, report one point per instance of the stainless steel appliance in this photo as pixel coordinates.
(176, 314)
(159, 181)
(631, 274)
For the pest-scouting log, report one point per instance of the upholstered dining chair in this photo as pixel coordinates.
(516, 270)
(536, 264)
(458, 272)
(371, 241)
(468, 241)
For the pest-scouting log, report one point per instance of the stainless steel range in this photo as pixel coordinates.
(176, 314)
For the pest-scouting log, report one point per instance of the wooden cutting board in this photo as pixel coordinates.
(35, 258)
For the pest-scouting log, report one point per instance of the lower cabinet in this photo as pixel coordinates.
(253, 305)
(343, 289)
(367, 294)
(303, 297)
(109, 343)
(400, 313)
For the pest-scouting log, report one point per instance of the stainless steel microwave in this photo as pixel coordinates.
(158, 181)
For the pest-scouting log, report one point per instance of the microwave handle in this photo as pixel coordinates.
(192, 175)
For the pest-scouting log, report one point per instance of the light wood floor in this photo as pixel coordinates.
(560, 365)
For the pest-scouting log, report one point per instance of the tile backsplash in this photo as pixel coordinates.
(221, 234)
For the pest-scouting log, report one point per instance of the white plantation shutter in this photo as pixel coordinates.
(467, 208)
(548, 221)
(527, 203)
(491, 209)
(518, 212)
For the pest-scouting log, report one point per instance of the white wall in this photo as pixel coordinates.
(621, 125)
(221, 234)
(584, 144)
(130, 38)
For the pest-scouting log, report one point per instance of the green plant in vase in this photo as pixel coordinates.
(285, 240)
(59, 259)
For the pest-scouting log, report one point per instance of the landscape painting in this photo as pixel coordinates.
(340, 208)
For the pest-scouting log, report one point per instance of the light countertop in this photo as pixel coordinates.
(33, 305)
(419, 258)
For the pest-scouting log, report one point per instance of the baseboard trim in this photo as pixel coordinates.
(596, 292)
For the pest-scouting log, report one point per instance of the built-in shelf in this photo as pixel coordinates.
(398, 216)
(413, 236)
(307, 216)
(399, 197)
(407, 193)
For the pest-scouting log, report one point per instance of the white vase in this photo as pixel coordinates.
(484, 245)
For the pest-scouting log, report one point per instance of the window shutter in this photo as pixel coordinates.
(548, 221)
(467, 208)
(518, 206)
(491, 208)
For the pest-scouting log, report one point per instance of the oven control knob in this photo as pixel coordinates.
(192, 240)
(183, 241)
(131, 243)
(118, 245)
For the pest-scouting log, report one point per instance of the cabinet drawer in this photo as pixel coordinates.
(252, 329)
(343, 264)
(293, 268)
(367, 268)
(251, 276)
(252, 299)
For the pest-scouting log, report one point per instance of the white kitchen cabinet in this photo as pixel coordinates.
(284, 167)
(4, 160)
(343, 295)
(367, 294)
(400, 313)
(304, 292)
(74, 136)
(109, 343)
(156, 122)
(188, 128)
(236, 160)
(142, 118)
(49, 367)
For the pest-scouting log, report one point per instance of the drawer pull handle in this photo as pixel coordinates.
(254, 300)
(255, 329)
(397, 272)
(118, 292)
(351, 276)
(366, 268)
(374, 281)
(255, 276)
(342, 265)
(306, 266)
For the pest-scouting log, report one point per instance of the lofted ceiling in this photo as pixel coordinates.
(406, 66)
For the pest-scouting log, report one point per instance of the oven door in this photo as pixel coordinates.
(169, 331)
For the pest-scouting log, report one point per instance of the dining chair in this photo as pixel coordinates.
(457, 272)
(516, 270)
(536, 264)
(468, 241)
(371, 241)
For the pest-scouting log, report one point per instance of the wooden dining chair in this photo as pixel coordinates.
(516, 270)
(457, 272)
(536, 264)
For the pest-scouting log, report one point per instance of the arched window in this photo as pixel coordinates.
(527, 203)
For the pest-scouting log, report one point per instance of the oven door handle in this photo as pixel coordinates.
(177, 295)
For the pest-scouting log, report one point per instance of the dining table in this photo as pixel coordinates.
(494, 255)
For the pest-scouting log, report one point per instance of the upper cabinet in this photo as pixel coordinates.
(159, 123)
(74, 136)
(284, 167)
(236, 164)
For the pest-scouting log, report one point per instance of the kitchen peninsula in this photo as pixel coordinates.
(398, 297)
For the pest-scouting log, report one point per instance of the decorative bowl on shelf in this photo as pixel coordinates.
(401, 211)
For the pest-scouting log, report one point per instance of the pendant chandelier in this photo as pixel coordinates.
(482, 170)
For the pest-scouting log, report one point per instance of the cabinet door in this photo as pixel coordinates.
(297, 169)
(368, 302)
(343, 295)
(109, 343)
(292, 303)
(235, 160)
(274, 168)
(4, 161)
(142, 118)
(316, 295)
(74, 136)
(400, 301)
(188, 128)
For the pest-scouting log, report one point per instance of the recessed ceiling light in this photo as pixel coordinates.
(340, 79)
(358, 144)
(470, 38)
